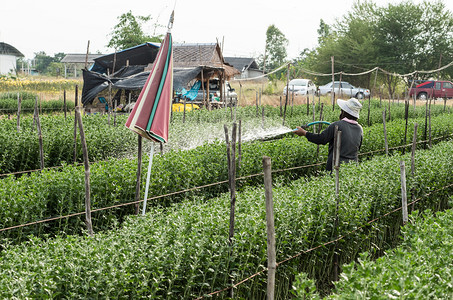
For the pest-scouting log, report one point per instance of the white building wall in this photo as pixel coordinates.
(7, 64)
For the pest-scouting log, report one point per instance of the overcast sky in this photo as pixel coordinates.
(55, 26)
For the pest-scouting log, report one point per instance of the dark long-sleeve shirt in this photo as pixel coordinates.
(351, 140)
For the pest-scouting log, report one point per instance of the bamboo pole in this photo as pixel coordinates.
(429, 128)
(38, 126)
(403, 192)
(87, 173)
(369, 108)
(19, 107)
(385, 134)
(148, 176)
(65, 107)
(271, 253)
(262, 116)
(314, 107)
(333, 83)
(75, 123)
(287, 94)
(184, 114)
(259, 95)
(406, 117)
(239, 144)
(256, 102)
(139, 174)
(414, 146)
(426, 122)
(336, 165)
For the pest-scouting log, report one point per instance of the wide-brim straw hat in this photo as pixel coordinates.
(351, 106)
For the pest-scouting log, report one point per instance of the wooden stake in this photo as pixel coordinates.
(426, 122)
(406, 117)
(403, 192)
(287, 94)
(262, 116)
(19, 106)
(75, 123)
(271, 257)
(86, 164)
(385, 134)
(336, 162)
(369, 107)
(333, 83)
(429, 129)
(38, 126)
(139, 174)
(239, 144)
(414, 146)
(184, 114)
(65, 107)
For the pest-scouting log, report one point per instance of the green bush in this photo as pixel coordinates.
(182, 251)
(420, 268)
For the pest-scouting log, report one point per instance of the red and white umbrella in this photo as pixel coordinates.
(150, 116)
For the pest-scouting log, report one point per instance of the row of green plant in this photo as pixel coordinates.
(9, 106)
(420, 268)
(21, 150)
(59, 192)
(182, 251)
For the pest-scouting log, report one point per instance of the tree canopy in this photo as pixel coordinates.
(129, 32)
(399, 38)
(275, 52)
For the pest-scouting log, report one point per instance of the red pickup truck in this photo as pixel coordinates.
(432, 89)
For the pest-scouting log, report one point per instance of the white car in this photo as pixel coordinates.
(300, 87)
(346, 89)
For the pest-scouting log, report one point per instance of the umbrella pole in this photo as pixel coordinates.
(151, 154)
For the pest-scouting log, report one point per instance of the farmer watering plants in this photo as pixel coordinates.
(351, 136)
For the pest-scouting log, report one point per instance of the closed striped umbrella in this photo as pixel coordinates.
(150, 116)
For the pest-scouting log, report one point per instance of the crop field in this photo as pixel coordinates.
(181, 248)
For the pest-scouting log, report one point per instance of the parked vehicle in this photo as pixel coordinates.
(346, 89)
(300, 87)
(230, 96)
(432, 89)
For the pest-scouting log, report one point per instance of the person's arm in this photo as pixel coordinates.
(320, 139)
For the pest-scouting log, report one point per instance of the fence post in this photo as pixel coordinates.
(271, 259)
(429, 129)
(414, 145)
(336, 166)
(385, 134)
(64, 104)
(19, 106)
(369, 107)
(287, 94)
(403, 192)
(38, 126)
(139, 174)
(87, 173)
(75, 123)
(406, 117)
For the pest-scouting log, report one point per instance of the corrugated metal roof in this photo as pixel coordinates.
(242, 63)
(7, 49)
(79, 58)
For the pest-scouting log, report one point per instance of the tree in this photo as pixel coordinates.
(323, 31)
(129, 33)
(275, 52)
(399, 38)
